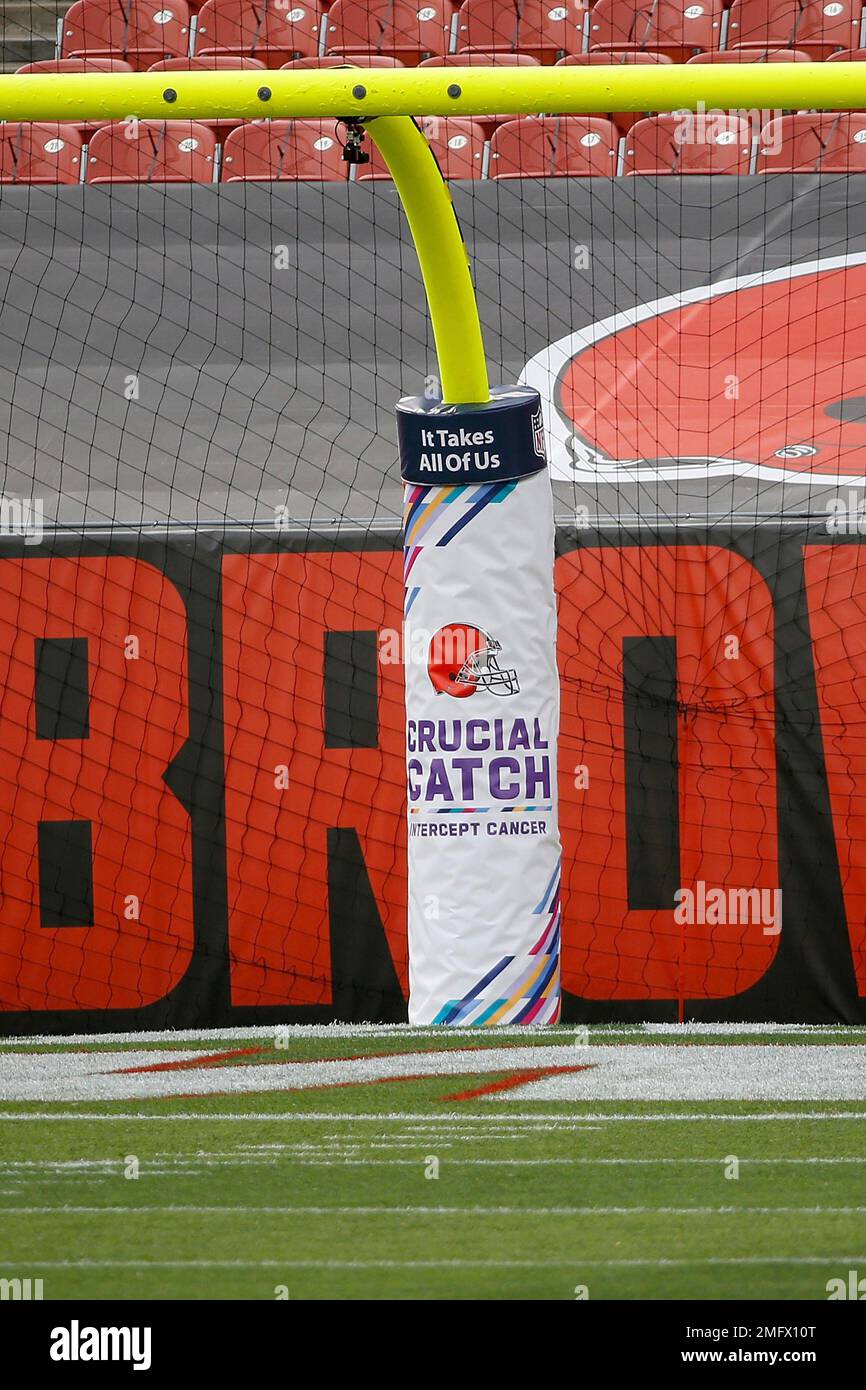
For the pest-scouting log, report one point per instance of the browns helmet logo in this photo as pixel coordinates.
(463, 659)
(762, 376)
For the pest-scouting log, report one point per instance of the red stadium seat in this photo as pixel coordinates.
(141, 31)
(44, 152)
(365, 60)
(310, 151)
(609, 56)
(468, 60)
(47, 65)
(214, 62)
(152, 152)
(623, 120)
(457, 144)
(272, 30)
(689, 144)
(814, 25)
(809, 142)
(537, 27)
(848, 55)
(553, 147)
(677, 27)
(754, 55)
(96, 30)
(403, 28)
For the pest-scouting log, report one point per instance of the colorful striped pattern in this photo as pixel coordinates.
(551, 891)
(424, 508)
(526, 988)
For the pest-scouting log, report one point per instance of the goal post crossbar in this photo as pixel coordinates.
(474, 91)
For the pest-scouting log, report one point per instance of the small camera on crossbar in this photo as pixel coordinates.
(353, 149)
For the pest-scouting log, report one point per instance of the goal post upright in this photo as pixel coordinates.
(442, 256)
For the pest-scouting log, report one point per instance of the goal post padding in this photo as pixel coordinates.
(482, 707)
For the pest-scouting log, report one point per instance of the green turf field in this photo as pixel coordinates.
(413, 1164)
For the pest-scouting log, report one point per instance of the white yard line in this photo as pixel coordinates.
(457, 1162)
(548, 1262)
(307, 1153)
(401, 1212)
(540, 1119)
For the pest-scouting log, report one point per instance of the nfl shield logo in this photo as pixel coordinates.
(538, 435)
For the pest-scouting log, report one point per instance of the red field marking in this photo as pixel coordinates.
(189, 1062)
(509, 1083)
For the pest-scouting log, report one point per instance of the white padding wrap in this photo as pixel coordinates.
(482, 696)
